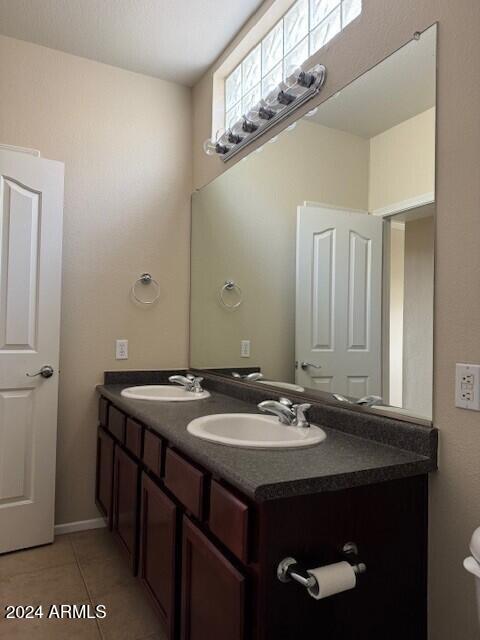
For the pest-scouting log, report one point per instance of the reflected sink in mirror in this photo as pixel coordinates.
(282, 385)
(163, 393)
(253, 431)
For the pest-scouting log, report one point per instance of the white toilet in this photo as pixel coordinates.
(472, 564)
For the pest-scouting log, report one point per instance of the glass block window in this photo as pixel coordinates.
(306, 27)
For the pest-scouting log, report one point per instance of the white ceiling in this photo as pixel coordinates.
(172, 39)
(397, 89)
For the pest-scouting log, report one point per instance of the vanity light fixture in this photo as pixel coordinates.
(297, 89)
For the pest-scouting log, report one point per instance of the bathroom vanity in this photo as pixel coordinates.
(323, 286)
(205, 526)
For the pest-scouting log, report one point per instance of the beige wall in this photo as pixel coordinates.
(244, 224)
(418, 315)
(126, 143)
(402, 162)
(455, 489)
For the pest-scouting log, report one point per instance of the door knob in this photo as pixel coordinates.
(46, 372)
(305, 365)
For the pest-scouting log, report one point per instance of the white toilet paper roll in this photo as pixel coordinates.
(332, 579)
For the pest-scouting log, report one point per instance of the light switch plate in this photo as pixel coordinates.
(467, 386)
(121, 350)
(245, 348)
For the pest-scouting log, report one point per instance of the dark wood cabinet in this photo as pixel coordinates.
(103, 412)
(158, 551)
(104, 480)
(186, 481)
(229, 520)
(213, 591)
(208, 555)
(133, 437)
(153, 452)
(116, 423)
(125, 503)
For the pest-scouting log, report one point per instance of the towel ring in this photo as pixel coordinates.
(230, 285)
(146, 279)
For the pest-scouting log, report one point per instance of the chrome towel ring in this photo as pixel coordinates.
(230, 285)
(146, 279)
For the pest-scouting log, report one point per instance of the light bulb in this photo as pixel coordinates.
(300, 78)
(272, 98)
(261, 111)
(280, 97)
(227, 138)
(234, 138)
(212, 147)
(243, 126)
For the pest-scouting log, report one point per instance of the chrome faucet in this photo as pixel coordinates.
(287, 412)
(366, 401)
(250, 377)
(189, 382)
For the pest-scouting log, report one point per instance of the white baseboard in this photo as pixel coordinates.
(81, 525)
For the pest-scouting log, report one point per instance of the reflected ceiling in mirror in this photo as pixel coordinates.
(312, 258)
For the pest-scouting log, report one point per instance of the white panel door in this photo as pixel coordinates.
(338, 301)
(31, 212)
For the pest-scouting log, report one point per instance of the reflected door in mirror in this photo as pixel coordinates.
(338, 305)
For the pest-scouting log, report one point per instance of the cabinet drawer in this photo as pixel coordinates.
(229, 520)
(103, 412)
(116, 423)
(133, 437)
(186, 482)
(152, 452)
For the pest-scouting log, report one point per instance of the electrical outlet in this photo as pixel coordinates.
(467, 386)
(121, 350)
(245, 348)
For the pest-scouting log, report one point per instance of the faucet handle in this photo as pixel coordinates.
(197, 384)
(300, 417)
(370, 401)
(285, 401)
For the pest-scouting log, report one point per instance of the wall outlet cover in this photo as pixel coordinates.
(245, 348)
(467, 386)
(121, 350)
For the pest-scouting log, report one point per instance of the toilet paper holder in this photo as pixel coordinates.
(289, 569)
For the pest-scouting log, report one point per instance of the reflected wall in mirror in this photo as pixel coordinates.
(318, 248)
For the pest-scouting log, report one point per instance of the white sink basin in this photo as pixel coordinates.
(253, 430)
(163, 393)
(282, 385)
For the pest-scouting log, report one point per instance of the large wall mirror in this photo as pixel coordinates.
(313, 257)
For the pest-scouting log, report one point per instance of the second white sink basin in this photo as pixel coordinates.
(163, 393)
(253, 430)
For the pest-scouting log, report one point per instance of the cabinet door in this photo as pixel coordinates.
(157, 569)
(104, 481)
(213, 591)
(125, 503)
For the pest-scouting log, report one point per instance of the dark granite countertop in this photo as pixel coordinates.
(341, 461)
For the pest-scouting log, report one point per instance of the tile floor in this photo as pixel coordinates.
(80, 568)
